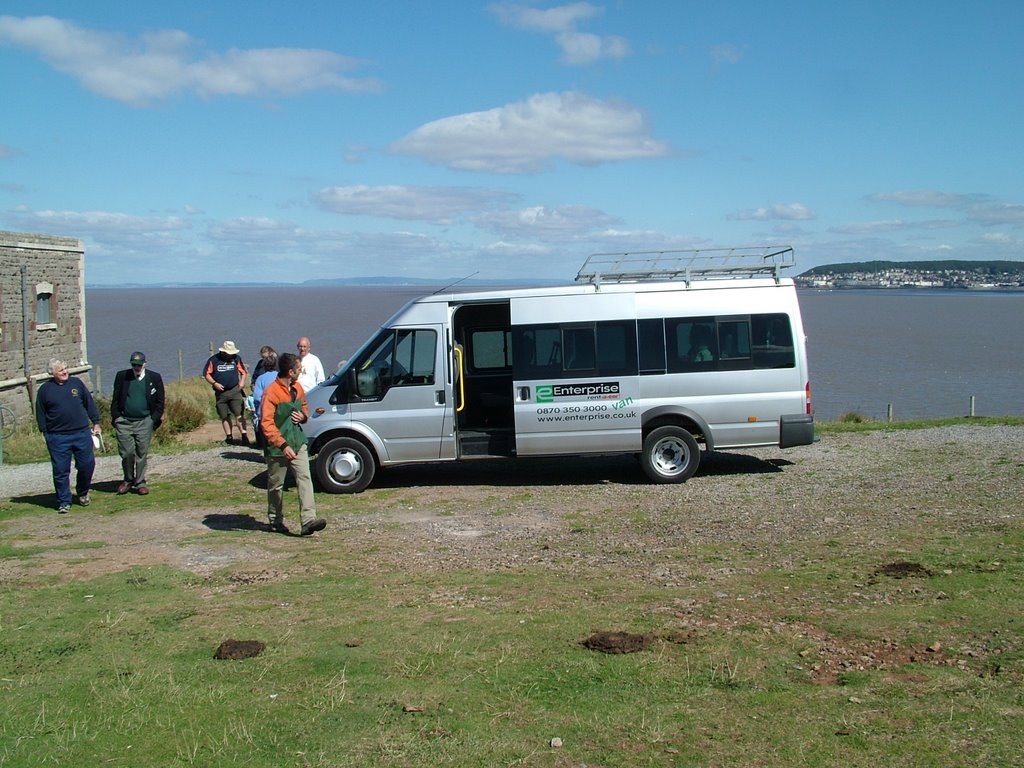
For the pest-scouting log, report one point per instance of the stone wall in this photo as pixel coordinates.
(50, 310)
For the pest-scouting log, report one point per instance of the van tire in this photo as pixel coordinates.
(670, 455)
(345, 465)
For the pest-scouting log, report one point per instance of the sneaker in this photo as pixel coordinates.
(84, 500)
(63, 509)
(313, 526)
(123, 488)
(141, 490)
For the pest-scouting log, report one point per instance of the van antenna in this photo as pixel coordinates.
(445, 288)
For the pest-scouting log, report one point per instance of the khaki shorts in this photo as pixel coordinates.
(229, 401)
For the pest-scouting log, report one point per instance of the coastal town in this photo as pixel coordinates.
(953, 275)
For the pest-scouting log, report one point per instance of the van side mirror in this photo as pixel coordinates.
(346, 386)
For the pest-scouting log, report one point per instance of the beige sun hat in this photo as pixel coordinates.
(228, 348)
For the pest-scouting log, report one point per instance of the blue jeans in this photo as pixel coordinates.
(62, 447)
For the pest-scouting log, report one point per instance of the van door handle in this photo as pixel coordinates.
(438, 397)
(524, 394)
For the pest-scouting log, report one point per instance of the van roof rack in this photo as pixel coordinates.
(674, 265)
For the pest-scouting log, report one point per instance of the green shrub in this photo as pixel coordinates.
(854, 417)
(180, 417)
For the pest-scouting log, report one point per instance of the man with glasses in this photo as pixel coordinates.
(67, 416)
(136, 408)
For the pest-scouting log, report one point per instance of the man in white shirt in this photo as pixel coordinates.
(312, 369)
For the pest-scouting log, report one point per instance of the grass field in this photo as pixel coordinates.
(865, 646)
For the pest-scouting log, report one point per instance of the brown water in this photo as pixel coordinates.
(925, 353)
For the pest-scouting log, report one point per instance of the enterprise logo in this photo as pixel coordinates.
(546, 393)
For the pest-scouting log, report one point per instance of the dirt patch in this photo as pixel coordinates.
(617, 642)
(903, 570)
(210, 433)
(85, 546)
(233, 650)
(835, 659)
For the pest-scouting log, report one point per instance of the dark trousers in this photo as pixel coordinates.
(63, 446)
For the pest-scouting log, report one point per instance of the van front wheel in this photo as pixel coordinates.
(670, 455)
(345, 465)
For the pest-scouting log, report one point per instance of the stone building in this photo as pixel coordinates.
(42, 312)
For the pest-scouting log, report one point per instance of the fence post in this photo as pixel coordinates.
(972, 406)
(888, 412)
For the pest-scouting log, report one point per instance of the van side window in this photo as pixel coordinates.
(580, 349)
(417, 352)
(400, 358)
(651, 341)
(691, 344)
(490, 350)
(772, 341)
(574, 351)
(616, 349)
(538, 352)
(734, 339)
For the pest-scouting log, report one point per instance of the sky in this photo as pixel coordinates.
(258, 141)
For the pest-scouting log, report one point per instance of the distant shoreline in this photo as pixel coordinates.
(933, 289)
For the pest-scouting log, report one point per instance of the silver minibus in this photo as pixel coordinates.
(663, 355)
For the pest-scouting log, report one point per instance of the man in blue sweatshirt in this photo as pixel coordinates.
(68, 418)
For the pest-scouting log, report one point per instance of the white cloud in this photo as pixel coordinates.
(785, 212)
(521, 137)
(892, 225)
(539, 221)
(560, 22)
(998, 214)
(585, 48)
(868, 227)
(927, 197)
(121, 227)
(998, 238)
(558, 19)
(441, 205)
(725, 53)
(163, 63)
(978, 208)
(255, 230)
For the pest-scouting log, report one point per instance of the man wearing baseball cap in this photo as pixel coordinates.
(136, 408)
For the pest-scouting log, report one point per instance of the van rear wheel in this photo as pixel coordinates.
(670, 455)
(345, 465)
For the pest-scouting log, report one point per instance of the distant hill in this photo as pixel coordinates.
(953, 265)
(461, 283)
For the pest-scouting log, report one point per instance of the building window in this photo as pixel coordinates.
(45, 306)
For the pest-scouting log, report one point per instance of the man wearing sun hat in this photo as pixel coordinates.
(136, 408)
(226, 373)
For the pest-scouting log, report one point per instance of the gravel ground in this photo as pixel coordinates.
(23, 479)
(561, 514)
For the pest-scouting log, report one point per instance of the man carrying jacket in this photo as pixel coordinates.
(136, 408)
(282, 409)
